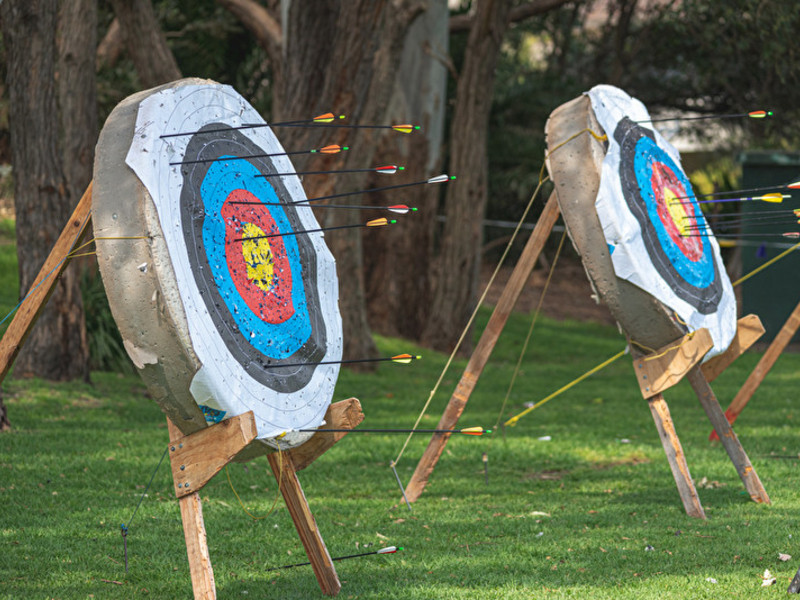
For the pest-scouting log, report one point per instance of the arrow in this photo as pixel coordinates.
(736, 222)
(331, 149)
(387, 550)
(384, 170)
(795, 185)
(775, 198)
(788, 211)
(437, 179)
(402, 359)
(320, 119)
(401, 128)
(753, 114)
(465, 430)
(381, 222)
(400, 209)
(789, 234)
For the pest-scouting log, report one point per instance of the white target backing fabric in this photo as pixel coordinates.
(648, 213)
(258, 292)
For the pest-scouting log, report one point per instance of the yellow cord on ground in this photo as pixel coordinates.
(530, 332)
(513, 420)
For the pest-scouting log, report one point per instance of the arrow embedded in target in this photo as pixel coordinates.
(384, 170)
(381, 222)
(402, 359)
(330, 149)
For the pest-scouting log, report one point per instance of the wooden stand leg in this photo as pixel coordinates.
(194, 530)
(675, 457)
(763, 367)
(317, 552)
(483, 350)
(42, 287)
(726, 434)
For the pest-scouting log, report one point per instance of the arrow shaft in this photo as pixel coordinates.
(316, 173)
(272, 235)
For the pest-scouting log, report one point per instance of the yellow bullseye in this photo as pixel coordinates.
(258, 257)
(677, 211)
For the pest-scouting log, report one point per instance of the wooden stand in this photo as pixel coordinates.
(654, 375)
(196, 458)
(663, 369)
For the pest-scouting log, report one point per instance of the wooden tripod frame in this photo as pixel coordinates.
(199, 456)
(670, 371)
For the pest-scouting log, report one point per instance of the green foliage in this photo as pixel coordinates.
(106, 352)
(567, 518)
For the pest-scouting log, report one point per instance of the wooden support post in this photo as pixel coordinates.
(748, 330)
(675, 456)
(42, 287)
(284, 470)
(738, 456)
(483, 350)
(194, 531)
(763, 367)
(666, 366)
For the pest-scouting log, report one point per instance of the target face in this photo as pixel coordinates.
(259, 295)
(651, 219)
(659, 195)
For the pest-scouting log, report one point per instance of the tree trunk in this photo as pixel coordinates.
(56, 347)
(77, 91)
(396, 277)
(5, 424)
(326, 71)
(454, 275)
(145, 42)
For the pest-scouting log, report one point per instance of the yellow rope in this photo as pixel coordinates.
(671, 348)
(530, 331)
(277, 495)
(766, 264)
(513, 420)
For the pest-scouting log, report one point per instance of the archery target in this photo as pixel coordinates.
(252, 296)
(626, 203)
(659, 195)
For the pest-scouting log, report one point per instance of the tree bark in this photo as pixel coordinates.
(5, 424)
(145, 42)
(56, 348)
(397, 288)
(326, 71)
(111, 46)
(77, 91)
(454, 275)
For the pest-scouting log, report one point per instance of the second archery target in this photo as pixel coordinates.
(225, 300)
(631, 211)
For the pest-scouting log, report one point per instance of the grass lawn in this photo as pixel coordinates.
(592, 512)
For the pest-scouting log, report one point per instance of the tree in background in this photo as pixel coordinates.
(56, 347)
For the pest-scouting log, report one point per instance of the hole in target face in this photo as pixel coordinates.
(655, 189)
(261, 292)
